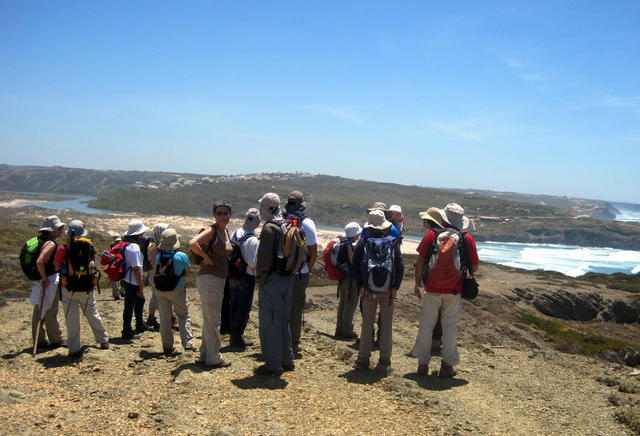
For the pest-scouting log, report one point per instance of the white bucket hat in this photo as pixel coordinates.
(377, 220)
(136, 227)
(51, 223)
(352, 230)
(453, 214)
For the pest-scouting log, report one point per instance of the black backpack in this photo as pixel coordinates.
(165, 278)
(81, 273)
(144, 242)
(237, 264)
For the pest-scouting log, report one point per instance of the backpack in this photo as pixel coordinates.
(447, 261)
(292, 245)
(113, 259)
(379, 259)
(81, 274)
(165, 278)
(196, 259)
(29, 256)
(237, 264)
(330, 257)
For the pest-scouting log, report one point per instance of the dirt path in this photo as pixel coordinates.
(133, 389)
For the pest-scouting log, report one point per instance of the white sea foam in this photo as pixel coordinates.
(569, 260)
(636, 270)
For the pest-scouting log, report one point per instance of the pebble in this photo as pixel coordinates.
(133, 415)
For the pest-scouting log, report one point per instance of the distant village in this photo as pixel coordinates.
(180, 181)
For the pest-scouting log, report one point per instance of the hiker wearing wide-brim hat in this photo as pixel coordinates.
(152, 250)
(378, 205)
(78, 296)
(440, 290)
(378, 246)
(347, 289)
(453, 214)
(433, 216)
(132, 281)
(174, 300)
(44, 291)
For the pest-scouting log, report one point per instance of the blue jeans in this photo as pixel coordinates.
(132, 304)
(275, 336)
(241, 293)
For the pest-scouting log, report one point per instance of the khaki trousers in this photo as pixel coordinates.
(85, 302)
(211, 289)
(450, 306)
(168, 302)
(369, 307)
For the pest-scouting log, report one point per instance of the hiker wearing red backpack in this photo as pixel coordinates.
(445, 256)
(378, 268)
(347, 287)
(79, 275)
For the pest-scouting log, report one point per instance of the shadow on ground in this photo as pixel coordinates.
(365, 377)
(432, 382)
(260, 382)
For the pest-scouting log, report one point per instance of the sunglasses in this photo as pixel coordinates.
(222, 213)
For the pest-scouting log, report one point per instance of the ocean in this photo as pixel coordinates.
(628, 212)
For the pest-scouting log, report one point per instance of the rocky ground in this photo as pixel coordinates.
(510, 381)
(512, 378)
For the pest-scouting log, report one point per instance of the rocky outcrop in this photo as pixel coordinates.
(580, 306)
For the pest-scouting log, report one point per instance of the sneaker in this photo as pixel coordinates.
(153, 322)
(168, 351)
(446, 371)
(222, 364)
(264, 370)
(104, 345)
(423, 370)
(239, 341)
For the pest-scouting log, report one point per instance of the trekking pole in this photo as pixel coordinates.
(35, 341)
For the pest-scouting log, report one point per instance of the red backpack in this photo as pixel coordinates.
(113, 259)
(446, 261)
(330, 257)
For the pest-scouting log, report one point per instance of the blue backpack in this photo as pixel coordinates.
(378, 263)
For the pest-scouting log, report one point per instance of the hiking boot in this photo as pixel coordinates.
(55, 345)
(74, 355)
(130, 335)
(190, 348)
(222, 364)
(423, 370)
(264, 370)
(116, 297)
(288, 367)
(239, 342)
(361, 366)
(141, 328)
(384, 361)
(446, 371)
(153, 322)
(168, 351)
(104, 345)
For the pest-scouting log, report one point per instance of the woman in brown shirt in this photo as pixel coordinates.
(214, 247)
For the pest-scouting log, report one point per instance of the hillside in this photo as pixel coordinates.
(334, 201)
(541, 354)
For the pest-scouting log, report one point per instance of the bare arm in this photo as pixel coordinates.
(200, 240)
(313, 255)
(48, 250)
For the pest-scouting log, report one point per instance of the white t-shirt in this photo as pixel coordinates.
(310, 238)
(249, 249)
(132, 257)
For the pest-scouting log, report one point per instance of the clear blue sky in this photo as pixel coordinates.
(541, 97)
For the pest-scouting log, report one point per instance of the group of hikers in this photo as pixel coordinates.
(367, 262)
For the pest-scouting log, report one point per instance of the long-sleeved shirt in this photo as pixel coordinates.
(358, 258)
(268, 250)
